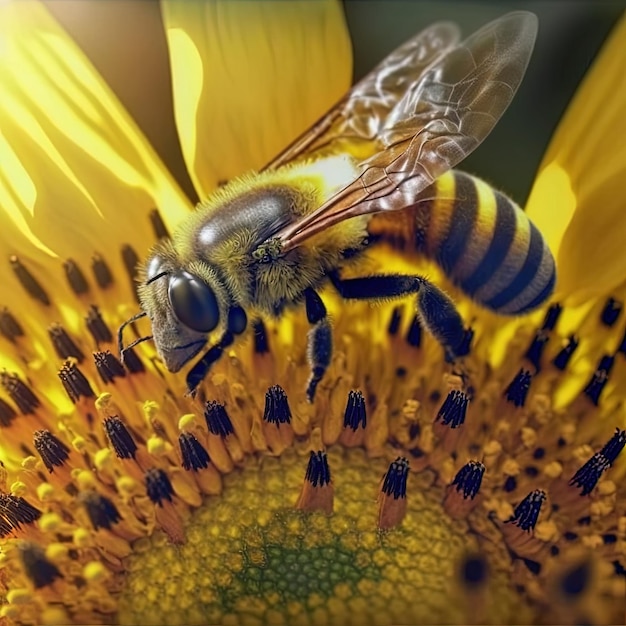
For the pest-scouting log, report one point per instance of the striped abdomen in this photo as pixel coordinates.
(483, 242)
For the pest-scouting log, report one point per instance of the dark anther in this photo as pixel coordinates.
(51, 449)
(452, 411)
(37, 567)
(465, 346)
(158, 486)
(74, 382)
(97, 326)
(131, 263)
(394, 321)
(527, 511)
(469, 478)
(599, 379)
(552, 316)
(589, 474)
(534, 567)
(15, 511)
(474, 571)
(158, 226)
(614, 446)
(517, 391)
(532, 471)
(7, 413)
(101, 271)
(609, 539)
(317, 470)
(64, 345)
(109, 367)
(120, 438)
(277, 409)
(554, 550)
(355, 416)
(394, 480)
(576, 580)
(561, 360)
(570, 536)
(28, 281)
(10, 328)
(539, 453)
(611, 312)
(75, 277)
(414, 334)
(261, 344)
(620, 570)
(132, 362)
(102, 512)
(217, 419)
(19, 392)
(194, 455)
(622, 345)
(510, 484)
(535, 350)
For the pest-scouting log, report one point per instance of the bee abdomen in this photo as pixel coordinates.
(485, 244)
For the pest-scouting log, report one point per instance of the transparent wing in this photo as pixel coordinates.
(362, 113)
(442, 116)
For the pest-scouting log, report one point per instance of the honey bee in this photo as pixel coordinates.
(377, 166)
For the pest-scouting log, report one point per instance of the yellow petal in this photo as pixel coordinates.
(577, 200)
(249, 77)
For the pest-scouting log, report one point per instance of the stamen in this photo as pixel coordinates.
(394, 481)
(469, 478)
(28, 281)
(102, 512)
(64, 345)
(561, 360)
(317, 471)
(599, 379)
(14, 511)
(19, 392)
(120, 438)
(589, 474)
(355, 416)
(158, 226)
(517, 391)
(75, 277)
(392, 502)
(7, 413)
(195, 457)
(317, 491)
(474, 571)
(527, 511)
(158, 486)
(552, 316)
(614, 446)
(37, 567)
(575, 580)
(261, 344)
(453, 410)
(132, 362)
(10, 328)
(131, 263)
(622, 345)
(108, 366)
(97, 326)
(394, 321)
(74, 382)
(611, 312)
(414, 334)
(51, 449)
(101, 271)
(277, 409)
(535, 350)
(217, 419)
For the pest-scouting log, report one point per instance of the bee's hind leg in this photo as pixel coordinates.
(320, 340)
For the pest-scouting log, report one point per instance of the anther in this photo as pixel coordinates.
(394, 321)
(517, 391)
(10, 328)
(38, 568)
(158, 226)
(452, 411)
(317, 490)
(75, 277)
(535, 350)
(394, 481)
(120, 438)
(97, 326)
(158, 486)
(108, 366)
(469, 478)
(101, 271)
(587, 477)
(64, 345)
(277, 409)
(217, 419)
(611, 312)
(101, 511)
(526, 513)
(414, 334)
(19, 392)
(261, 344)
(614, 446)
(576, 579)
(622, 346)
(15, 511)
(131, 263)
(599, 379)
(132, 362)
(392, 501)
(561, 360)
(74, 382)
(474, 571)
(317, 471)
(51, 449)
(28, 281)
(7, 413)
(552, 317)
(355, 416)
(194, 456)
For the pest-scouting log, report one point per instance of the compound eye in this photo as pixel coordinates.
(193, 301)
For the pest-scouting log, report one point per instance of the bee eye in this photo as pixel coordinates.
(194, 302)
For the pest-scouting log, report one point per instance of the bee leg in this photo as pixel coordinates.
(436, 309)
(320, 340)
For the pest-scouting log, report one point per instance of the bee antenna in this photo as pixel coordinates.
(120, 330)
(132, 345)
(155, 277)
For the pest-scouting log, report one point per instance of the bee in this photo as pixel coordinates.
(377, 166)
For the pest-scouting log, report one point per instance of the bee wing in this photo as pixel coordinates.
(442, 116)
(361, 114)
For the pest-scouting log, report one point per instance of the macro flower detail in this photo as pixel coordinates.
(416, 488)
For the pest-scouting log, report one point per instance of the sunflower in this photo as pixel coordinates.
(405, 494)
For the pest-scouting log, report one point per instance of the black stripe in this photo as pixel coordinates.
(503, 236)
(526, 274)
(464, 212)
(542, 295)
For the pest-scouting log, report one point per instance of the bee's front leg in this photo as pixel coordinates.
(320, 340)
